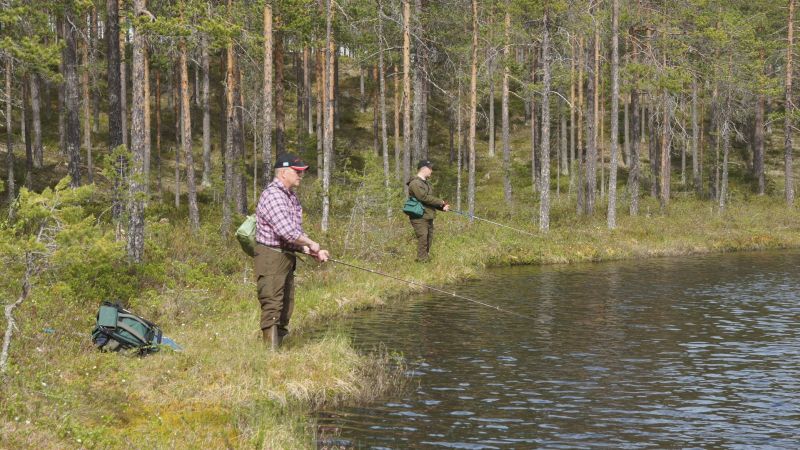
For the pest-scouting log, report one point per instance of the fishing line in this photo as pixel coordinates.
(452, 294)
(473, 216)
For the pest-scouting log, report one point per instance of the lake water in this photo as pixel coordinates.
(675, 352)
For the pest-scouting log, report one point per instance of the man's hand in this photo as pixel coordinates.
(314, 247)
(306, 250)
(446, 207)
(322, 255)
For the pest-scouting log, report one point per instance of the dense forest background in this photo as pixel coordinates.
(136, 134)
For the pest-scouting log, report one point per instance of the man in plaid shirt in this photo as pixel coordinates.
(279, 233)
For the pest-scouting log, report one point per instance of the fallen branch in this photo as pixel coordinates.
(9, 309)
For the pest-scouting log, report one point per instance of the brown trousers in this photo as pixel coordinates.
(423, 230)
(275, 282)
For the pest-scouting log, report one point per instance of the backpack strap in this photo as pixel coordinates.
(132, 332)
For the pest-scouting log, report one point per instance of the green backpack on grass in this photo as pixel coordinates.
(119, 329)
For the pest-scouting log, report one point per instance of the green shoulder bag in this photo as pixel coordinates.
(413, 208)
(246, 235)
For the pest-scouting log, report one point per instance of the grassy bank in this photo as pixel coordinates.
(224, 389)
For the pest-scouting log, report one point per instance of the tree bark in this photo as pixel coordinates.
(72, 99)
(419, 86)
(123, 76)
(10, 187)
(544, 192)
(726, 148)
(186, 140)
(266, 131)
(139, 143)
(397, 144)
(534, 171)
(612, 176)
(406, 93)
(665, 150)
(38, 150)
(206, 103)
(591, 136)
(789, 105)
(459, 149)
(87, 110)
(93, 49)
(490, 70)
(473, 104)
(322, 89)
(758, 143)
(504, 111)
(307, 91)
(382, 88)
(362, 98)
(376, 134)
(177, 107)
(280, 118)
(25, 128)
(114, 99)
(329, 115)
(158, 134)
(633, 171)
(230, 81)
(696, 180)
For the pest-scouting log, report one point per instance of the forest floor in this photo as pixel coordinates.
(224, 389)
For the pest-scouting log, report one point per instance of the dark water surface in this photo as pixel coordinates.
(676, 352)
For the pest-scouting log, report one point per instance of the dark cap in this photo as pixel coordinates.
(425, 163)
(291, 161)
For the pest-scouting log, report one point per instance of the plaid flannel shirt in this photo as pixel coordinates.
(279, 217)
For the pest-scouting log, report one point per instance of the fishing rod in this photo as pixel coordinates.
(473, 216)
(452, 294)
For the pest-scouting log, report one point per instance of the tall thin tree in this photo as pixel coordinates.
(473, 105)
(789, 105)
(612, 177)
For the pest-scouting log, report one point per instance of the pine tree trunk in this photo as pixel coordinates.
(397, 144)
(230, 80)
(186, 140)
(62, 116)
(580, 201)
(280, 118)
(726, 148)
(459, 148)
(362, 98)
(382, 88)
(406, 94)
(633, 171)
(612, 176)
(266, 132)
(240, 156)
(177, 106)
(572, 109)
(564, 161)
(473, 105)
(544, 193)
(665, 151)
(123, 76)
(158, 135)
(376, 136)
(300, 94)
(25, 129)
(789, 105)
(504, 111)
(206, 103)
(328, 124)
(653, 151)
(308, 89)
(696, 179)
(87, 110)
(322, 89)
(10, 186)
(490, 66)
(626, 117)
(147, 125)
(591, 136)
(38, 150)
(139, 143)
(335, 88)
(114, 100)
(534, 171)
(93, 49)
(758, 144)
(72, 100)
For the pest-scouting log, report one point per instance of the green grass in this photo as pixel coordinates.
(225, 389)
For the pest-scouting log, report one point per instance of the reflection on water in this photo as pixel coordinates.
(701, 351)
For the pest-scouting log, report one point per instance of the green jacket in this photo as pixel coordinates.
(422, 191)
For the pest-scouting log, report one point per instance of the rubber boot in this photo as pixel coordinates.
(271, 339)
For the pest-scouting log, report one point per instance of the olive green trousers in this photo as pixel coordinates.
(275, 283)
(423, 230)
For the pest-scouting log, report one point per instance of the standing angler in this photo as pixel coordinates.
(279, 234)
(419, 188)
